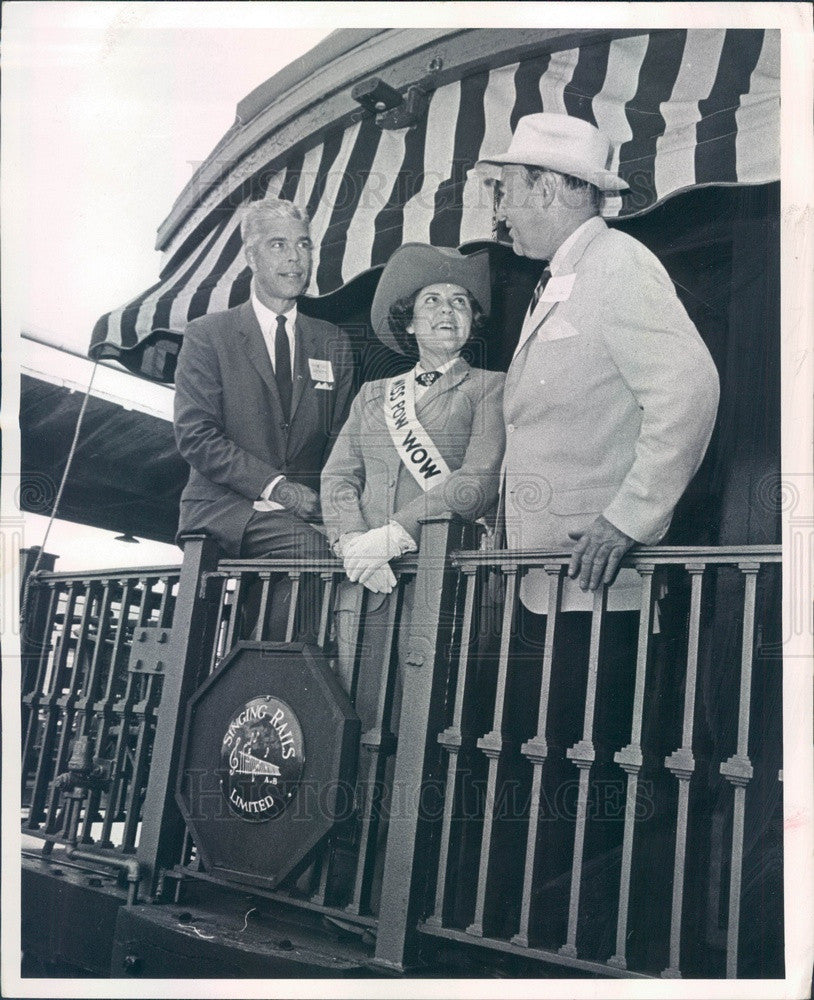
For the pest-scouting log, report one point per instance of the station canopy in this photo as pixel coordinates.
(683, 109)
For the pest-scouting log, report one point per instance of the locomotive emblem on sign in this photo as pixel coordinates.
(262, 757)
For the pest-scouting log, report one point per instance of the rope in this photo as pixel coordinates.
(58, 497)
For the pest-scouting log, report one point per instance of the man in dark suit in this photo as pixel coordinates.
(261, 391)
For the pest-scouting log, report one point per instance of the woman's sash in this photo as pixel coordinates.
(413, 444)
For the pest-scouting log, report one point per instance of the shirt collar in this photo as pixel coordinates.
(564, 249)
(267, 318)
(418, 370)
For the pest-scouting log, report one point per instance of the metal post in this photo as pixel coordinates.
(28, 559)
(188, 655)
(420, 759)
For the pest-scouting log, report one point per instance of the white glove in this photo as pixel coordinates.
(381, 580)
(366, 553)
(339, 547)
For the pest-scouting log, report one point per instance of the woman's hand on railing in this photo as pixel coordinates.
(369, 552)
(381, 580)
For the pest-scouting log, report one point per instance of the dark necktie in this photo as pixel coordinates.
(282, 366)
(427, 378)
(539, 289)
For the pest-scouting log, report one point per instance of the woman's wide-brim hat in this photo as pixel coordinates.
(562, 143)
(416, 265)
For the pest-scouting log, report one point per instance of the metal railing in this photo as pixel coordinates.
(522, 903)
(88, 705)
(495, 722)
(243, 596)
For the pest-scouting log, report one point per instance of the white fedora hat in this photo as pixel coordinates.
(414, 266)
(560, 142)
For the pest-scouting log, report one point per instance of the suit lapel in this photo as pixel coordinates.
(566, 265)
(454, 376)
(255, 347)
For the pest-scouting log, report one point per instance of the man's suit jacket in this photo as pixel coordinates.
(610, 401)
(229, 425)
(365, 483)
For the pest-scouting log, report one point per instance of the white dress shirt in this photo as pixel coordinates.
(267, 318)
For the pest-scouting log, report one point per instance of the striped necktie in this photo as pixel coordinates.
(282, 366)
(538, 290)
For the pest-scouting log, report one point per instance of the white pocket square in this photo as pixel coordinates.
(324, 385)
(557, 329)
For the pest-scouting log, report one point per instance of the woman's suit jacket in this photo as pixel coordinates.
(364, 482)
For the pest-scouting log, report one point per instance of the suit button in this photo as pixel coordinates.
(285, 426)
(510, 427)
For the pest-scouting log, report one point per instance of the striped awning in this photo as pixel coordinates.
(683, 108)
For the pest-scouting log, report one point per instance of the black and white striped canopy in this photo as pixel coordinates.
(683, 108)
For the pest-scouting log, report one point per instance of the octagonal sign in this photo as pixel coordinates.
(268, 762)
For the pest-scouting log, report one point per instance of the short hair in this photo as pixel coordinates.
(589, 191)
(400, 315)
(259, 215)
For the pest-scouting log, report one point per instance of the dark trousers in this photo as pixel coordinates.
(280, 534)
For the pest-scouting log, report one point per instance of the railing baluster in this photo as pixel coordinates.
(123, 709)
(34, 698)
(536, 749)
(583, 755)
(681, 763)
(265, 576)
(630, 759)
(380, 743)
(104, 707)
(738, 768)
(166, 607)
(218, 646)
(145, 711)
(89, 696)
(54, 682)
(357, 643)
(492, 746)
(67, 705)
(292, 607)
(451, 739)
(325, 609)
(234, 614)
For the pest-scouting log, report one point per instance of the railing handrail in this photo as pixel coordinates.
(323, 564)
(644, 555)
(126, 573)
(659, 554)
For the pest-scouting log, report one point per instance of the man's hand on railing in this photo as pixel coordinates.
(597, 553)
(298, 499)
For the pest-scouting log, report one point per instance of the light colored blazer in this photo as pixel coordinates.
(609, 403)
(364, 482)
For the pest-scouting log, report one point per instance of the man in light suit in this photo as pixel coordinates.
(609, 404)
(261, 392)
(611, 395)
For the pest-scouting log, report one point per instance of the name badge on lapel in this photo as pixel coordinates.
(322, 373)
(558, 288)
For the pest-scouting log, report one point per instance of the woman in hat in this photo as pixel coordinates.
(415, 445)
